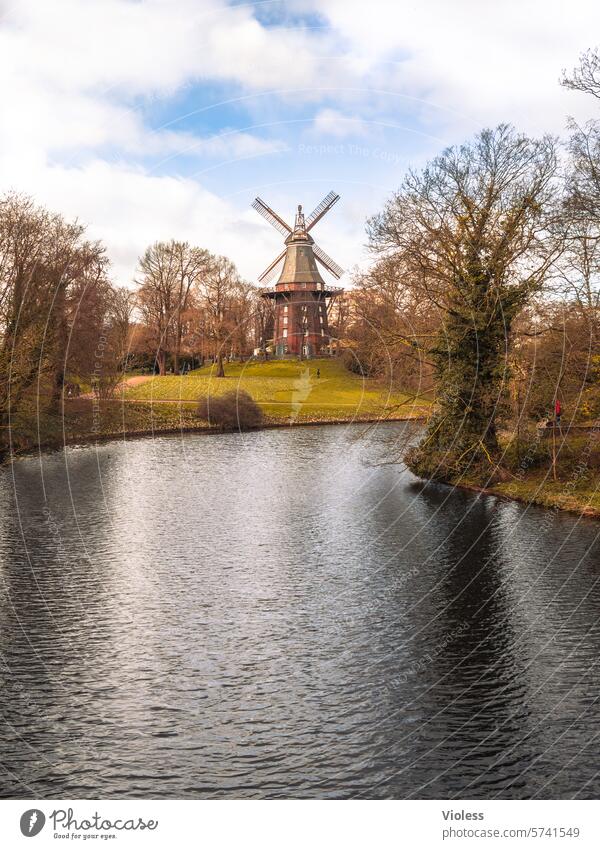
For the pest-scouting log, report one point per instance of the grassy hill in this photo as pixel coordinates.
(287, 389)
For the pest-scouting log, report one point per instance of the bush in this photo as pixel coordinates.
(231, 411)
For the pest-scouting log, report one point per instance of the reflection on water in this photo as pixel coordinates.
(275, 614)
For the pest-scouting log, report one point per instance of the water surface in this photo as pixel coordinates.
(279, 614)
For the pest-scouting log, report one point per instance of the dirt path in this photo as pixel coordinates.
(137, 379)
(131, 381)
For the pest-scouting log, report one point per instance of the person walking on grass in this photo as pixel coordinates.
(557, 412)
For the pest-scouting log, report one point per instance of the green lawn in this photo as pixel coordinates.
(287, 389)
(539, 488)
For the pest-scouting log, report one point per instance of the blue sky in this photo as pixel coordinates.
(156, 120)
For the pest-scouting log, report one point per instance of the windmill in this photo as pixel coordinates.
(302, 298)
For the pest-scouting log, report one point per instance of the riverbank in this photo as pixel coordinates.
(553, 495)
(85, 421)
(571, 483)
(289, 392)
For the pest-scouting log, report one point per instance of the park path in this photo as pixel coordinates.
(131, 381)
(137, 379)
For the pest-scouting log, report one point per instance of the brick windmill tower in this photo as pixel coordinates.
(302, 298)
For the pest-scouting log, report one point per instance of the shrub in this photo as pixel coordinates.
(231, 411)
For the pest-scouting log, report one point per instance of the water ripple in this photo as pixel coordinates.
(276, 615)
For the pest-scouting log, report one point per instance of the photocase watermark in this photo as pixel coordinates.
(526, 462)
(578, 473)
(96, 382)
(428, 657)
(66, 826)
(582, 467)
(379, 154)
(32, 822)
(302, 388)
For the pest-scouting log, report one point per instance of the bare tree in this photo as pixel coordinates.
(338, 319)
(583, 198)
(156, 298)
(218, 290)
(47, 269)
(122, 304)
(264, 318)
(578, 273)
(389, 327)
(82, 317)
(191, 265)
(580, 266)
(470, 235)
(242, 304)
(169, 275)
(586, 76)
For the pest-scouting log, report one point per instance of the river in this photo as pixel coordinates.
(283, 613)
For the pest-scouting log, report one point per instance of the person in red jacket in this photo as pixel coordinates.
(557, 411)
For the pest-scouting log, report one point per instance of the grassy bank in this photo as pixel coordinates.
(290, 393)
(82, 421)
(576, 496)
(530, 477)
(288, 390)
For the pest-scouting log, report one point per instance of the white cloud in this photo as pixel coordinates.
(79, 78)
(154, 46)
(470, 63)
(331, 122)
(229, 144)
(129, 208)
(73, 74)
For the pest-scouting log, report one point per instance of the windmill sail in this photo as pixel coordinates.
(320, 210)
(327, 262)
(270, 271)
(261, 207)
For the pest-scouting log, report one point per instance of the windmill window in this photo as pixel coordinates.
(285, 332)
(285, 319)
(285, 309)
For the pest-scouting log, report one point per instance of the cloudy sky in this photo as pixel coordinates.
(158, 119)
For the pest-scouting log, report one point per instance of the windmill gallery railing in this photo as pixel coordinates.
(326, 290)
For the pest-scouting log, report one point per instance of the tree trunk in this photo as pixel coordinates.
(220, 369)
(177, 351)
(61, 343)
(57, 392)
